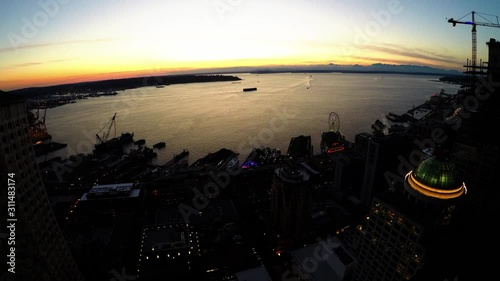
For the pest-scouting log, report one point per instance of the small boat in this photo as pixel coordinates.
(109, 93)
(159, 144)
(140, 142)
(160, 86)
(249, 89)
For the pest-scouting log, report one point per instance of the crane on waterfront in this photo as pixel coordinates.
(475, 23)
(105, 135)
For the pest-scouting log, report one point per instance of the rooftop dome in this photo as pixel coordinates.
(436, 178)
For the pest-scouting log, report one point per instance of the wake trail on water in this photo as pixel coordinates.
(298, 84)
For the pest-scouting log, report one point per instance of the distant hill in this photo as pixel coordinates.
(122, 84)
(456, 79)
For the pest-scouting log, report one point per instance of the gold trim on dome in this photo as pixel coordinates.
(431, 191)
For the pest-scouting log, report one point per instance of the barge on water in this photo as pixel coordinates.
(105, 144)
(158, 145)
(140, 142)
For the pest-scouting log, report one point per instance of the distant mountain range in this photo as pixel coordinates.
(374, 68)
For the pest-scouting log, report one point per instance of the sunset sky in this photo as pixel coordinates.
(50, 42)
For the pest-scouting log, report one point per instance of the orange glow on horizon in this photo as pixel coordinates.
(66, 73)
(84, 71)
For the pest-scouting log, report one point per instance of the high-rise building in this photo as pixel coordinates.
(41, 249)
(291, 197)
(408, 232)
(494, 59)
(300, 148)
(381, 153)
(476, 150)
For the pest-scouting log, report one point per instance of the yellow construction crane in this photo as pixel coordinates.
(475, 23)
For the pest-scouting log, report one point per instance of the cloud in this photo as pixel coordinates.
(412, 53)
(386, 60)
(26, 64)
(41, 45)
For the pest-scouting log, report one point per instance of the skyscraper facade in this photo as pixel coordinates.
(41, 250)
(291, 200)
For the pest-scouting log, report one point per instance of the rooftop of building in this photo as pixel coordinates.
(331, 257)
(254, 274)
(292, 172)
(439, 173)
(165, 238)
(299, 147)
(119, 190)
(435, 178)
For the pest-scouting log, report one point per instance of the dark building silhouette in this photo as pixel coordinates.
(476, 150)
(41, 249)
(291, 199)
(348, 179)
(407, 231)
(381, 153)
(437, 228)
(167, 250)
(494, 59)
(300, 148)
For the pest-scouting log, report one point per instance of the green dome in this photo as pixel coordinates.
(437, 173)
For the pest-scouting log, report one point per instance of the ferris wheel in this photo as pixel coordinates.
(334, 122)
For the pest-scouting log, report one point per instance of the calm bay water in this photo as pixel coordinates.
(204, 117)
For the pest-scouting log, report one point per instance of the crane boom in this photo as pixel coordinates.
(105, 135)
(474, 24)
